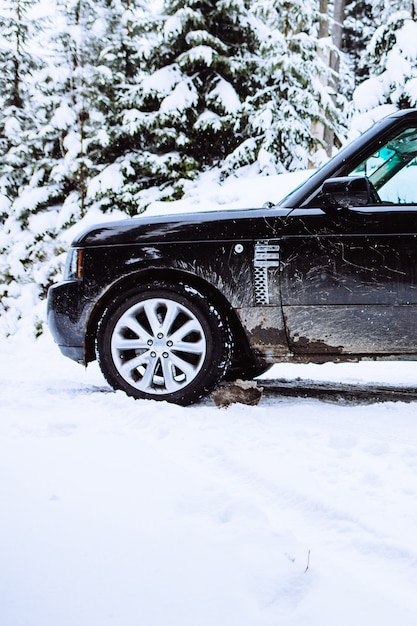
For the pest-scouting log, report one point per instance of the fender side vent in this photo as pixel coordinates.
(266, 256)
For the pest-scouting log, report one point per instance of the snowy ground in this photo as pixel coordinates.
(125, 512)
(120, 512)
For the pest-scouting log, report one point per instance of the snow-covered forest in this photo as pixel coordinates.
(295, 512)
(109, 106)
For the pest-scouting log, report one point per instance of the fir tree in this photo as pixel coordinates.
(391, 58)
(14, 28)
(69, 113)
(290, 95)
(358, 28)
(184, 113)
(17, 63)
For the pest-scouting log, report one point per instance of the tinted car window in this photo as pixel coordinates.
(392, 170)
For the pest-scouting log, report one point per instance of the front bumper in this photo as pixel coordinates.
(67, 315)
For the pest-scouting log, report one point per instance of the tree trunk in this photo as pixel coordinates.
(331, 60)
(318, 129)
(337, 35)
(323, 20)
(16, 99)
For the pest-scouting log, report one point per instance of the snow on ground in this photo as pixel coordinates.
(125, 512)
(122, 512)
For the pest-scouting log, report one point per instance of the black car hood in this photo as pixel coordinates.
(186, 227)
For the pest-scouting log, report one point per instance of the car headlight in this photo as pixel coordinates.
(74, 264)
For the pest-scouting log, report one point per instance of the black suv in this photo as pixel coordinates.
(172, 305)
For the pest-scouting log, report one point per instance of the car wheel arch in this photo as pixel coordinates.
(132, 281)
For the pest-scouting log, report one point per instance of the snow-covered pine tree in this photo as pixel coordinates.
(92, 50)
(15, 26)
(132, 28)
(391, 57)
(14, 29)
(70, 104)
(290, 93)
(184, 113)
(79, 98)
(358, 28)
(20, 61)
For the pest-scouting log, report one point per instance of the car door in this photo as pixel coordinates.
(349, 282)
(349, 276)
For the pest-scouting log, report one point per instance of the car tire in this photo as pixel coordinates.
(158, 343)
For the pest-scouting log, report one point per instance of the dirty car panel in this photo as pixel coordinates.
(355, 291)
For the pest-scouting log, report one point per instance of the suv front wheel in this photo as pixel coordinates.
(161, 344)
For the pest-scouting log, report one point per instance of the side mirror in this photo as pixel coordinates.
(346, 191)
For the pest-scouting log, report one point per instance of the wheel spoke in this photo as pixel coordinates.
(130, 322)
(148, 377)
(151, 309)
(195, 347)
(171, 314)
(186, 368)
(168, 371)
(127, 367)
(186, 329)
(122, 344)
